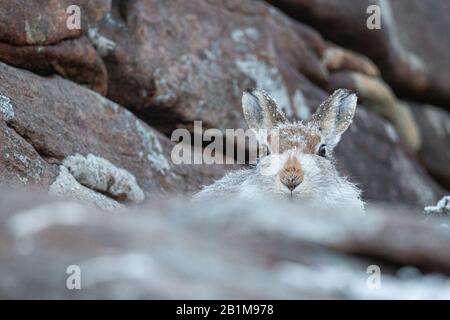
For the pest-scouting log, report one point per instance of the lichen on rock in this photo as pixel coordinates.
(154, 149)
(6, 108)
(99, 174)
(96, 181)
(66, 186)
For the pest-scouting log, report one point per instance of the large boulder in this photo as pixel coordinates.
(74, 59)
(46, 121)
(35, 36)
(417, 66)
(373, 155)
(44, 22)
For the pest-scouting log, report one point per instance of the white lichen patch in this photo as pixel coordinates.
(438, 121)
(165, 92)
(67, 187)
(441, 208)
(245, 34)
(32, 35)
(267, 78)
(99, 174)
(24, 159)
(6, 108)
(153, 148)
(391, 132)
(300, 105)
(103, 45)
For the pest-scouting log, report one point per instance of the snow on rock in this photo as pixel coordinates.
(442, 207)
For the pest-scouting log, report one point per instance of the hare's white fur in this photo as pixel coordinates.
(320, 183)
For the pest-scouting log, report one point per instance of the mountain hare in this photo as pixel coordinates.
(299, 165)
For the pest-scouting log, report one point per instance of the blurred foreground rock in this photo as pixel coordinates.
(219, 250)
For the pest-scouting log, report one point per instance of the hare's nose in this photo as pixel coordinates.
(292, 185)
(292, 174)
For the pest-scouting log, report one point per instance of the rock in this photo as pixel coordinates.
(175, 62)
(217, 250)
(74, 59)
(20, 163)
(44, 22)
(335, 59)
(374, 93)
(416, 66)
(68, 187)
(46, 122)
(386, 145)
(434, 154)
(372, 155)
(35, 36)
(100, 174)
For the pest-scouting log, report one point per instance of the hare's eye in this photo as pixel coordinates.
(322, 151)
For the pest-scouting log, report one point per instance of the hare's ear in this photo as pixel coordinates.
(260, 111)
(335, 114)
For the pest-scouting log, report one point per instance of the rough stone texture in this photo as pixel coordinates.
(335, 59)
(100, 174)
(219, 250)
(20, 163)
(74, 59)
(411, 48)
(179, 61)
(66, 186)
(373, 156)
(44, 22)
(434, 154)
(34, 36)
(49, 119)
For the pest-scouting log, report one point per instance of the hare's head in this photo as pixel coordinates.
(299, 163)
